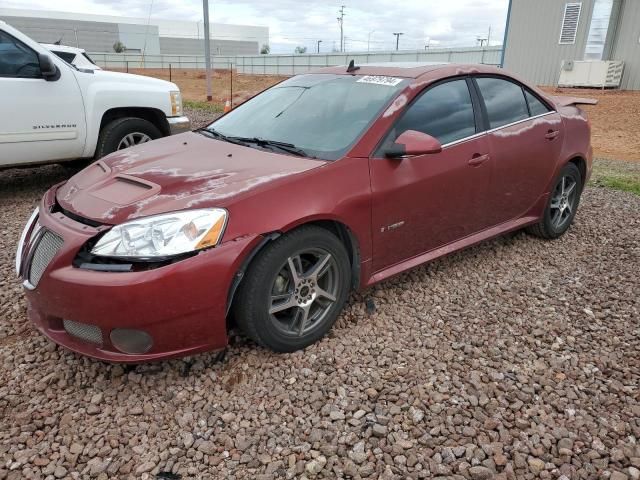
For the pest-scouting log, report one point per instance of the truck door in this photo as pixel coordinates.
(40, 120)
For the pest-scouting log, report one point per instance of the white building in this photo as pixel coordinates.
(98, 33)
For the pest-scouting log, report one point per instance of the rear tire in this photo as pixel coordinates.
(286, 311)
(562, 206)
(125, 132)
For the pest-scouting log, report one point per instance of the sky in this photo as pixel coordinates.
(367, 23)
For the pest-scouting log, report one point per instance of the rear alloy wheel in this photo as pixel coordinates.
(562, 206)
(294, 290)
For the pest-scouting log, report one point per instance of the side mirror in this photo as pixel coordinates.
(48, 69)
(411, 143)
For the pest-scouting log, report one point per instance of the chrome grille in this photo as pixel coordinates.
(46, 248)
(83, 331)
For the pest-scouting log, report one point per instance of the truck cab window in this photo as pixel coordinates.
(16, 59)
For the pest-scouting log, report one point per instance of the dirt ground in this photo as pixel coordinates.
(193, 87)
(615, 120)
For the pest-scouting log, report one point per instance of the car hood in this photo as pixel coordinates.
(131, 79)
(174, 173)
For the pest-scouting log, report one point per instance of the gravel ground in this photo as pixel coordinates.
(515, 359)
(200, 118)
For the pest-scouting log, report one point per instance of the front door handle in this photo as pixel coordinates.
(478, 159)
(552, 134)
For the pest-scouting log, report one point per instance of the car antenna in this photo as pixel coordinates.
(352, 67)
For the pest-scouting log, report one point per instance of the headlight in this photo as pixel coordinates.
(176, 103)
(164, 235)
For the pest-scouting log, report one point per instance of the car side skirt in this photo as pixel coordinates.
(457, 245)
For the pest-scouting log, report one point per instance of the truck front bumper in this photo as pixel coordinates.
(179, 125)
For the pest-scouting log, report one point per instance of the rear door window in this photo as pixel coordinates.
(504, 101)
(444, 112)
(536, 107)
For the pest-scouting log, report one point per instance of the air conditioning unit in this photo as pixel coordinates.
(591, 73)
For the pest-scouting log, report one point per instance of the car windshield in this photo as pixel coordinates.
(322, 115)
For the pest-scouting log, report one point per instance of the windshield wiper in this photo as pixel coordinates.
(260, 142)
(210, 132)
(284, 146)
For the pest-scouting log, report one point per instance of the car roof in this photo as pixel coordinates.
(62, 48)
(407, 69)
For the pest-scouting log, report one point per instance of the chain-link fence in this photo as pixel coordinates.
(293, 64)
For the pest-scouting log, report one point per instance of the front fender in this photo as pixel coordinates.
(111, 90)
(339, 191)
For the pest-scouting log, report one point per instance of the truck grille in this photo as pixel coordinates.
(48, 245)
(83, 331)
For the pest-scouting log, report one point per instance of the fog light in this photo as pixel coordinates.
(131, 341)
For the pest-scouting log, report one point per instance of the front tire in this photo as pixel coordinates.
(123, 133)
(294, 290)
(562, 205)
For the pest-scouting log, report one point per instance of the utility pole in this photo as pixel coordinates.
(398, 39)
(207, 48)
(369, 40)
(319, 42)
(341, 22)
(489, 37)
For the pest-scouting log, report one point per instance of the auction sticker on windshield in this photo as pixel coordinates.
(380, 80)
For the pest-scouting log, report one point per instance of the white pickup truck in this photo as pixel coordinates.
(52, 111)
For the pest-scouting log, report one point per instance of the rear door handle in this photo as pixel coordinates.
(478, 159)
(552, 134)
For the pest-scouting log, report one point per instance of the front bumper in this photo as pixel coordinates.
(179, 125)
(182, 306)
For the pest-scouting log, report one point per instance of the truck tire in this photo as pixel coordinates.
(123, 133)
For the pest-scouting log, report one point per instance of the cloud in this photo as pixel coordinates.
(292, 22)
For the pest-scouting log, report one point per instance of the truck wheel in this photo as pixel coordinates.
(123, 133)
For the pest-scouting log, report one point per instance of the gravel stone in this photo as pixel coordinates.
(486, 362)
(480, 473)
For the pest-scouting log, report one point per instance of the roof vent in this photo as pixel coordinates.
(570, 23)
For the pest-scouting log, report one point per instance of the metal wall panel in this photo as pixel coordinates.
(92, 36)
(140, 37)
(190, 46)
(627, 44)
(533, 42)
(533, 50)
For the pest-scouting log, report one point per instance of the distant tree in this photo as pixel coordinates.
(119, 47)
(300, 50)
(265, 50)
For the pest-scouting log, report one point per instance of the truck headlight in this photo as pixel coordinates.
(176, 103)
(164, 235)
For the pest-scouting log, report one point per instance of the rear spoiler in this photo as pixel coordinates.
(567, 101)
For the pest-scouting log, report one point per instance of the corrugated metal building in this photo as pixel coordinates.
(542, 34)
(98, 33)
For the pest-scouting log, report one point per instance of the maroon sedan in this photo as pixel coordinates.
(268, 217)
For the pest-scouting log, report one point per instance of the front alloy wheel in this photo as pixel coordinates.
(134, 138)
(303, 291)
(294, 290)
